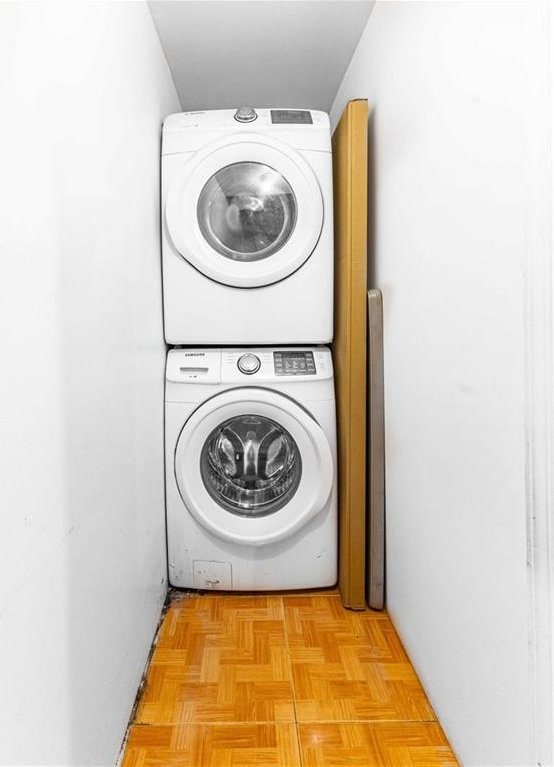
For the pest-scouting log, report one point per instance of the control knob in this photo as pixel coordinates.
(249, 364)
(245, 115)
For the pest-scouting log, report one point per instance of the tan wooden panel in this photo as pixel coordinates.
(376, 454)
(349, 347)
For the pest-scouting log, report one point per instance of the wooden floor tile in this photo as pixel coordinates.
(241, 680)
(349, 666)
(220, 660)
(376, 744)
(230, 745)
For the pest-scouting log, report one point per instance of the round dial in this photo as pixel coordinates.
(249, 364)
(245, 114)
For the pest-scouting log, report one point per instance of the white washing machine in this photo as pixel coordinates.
(247, 227)
(251, 468)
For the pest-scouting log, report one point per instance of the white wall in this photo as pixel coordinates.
(84, 87)
(266, 53)
(459, 166)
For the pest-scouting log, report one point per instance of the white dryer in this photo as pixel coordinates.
(251, 468)
(247, 227)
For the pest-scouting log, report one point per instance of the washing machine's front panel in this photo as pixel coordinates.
(252, 466)
(245, 213)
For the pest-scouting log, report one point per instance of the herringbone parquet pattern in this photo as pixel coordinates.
(349, 666)
(214, 745)
(220, 660)
(284, 680)
(375, 744)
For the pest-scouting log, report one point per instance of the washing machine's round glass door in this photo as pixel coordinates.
(245, 212)
(253, 466)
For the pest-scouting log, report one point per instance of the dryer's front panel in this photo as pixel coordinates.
(244, 212)
(252, 466)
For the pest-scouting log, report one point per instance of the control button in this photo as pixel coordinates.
(245, 115)
(249, 364)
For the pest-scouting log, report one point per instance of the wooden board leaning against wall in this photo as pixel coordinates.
(350, 344)
(375, 565)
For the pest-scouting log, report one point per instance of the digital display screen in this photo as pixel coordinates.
(295, 116)
(294, 363)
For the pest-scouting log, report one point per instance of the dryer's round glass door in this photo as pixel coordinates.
(250, 465)
(247, 211)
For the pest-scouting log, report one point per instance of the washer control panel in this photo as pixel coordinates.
(253, 365)
(278, 364)
(294, 363)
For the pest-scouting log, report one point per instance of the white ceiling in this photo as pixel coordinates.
(288, 53)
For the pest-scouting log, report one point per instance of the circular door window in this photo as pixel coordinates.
(247, 211)
(251, 465)
(244, 212)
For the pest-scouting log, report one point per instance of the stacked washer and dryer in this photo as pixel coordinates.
(247, 251)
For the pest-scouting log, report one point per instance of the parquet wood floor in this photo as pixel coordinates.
(291, 680)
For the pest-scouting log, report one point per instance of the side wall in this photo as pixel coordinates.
(84, 87)
(456, 145)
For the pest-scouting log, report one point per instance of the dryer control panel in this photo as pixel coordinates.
(252, 117)
(252, 366)
(302, 129)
